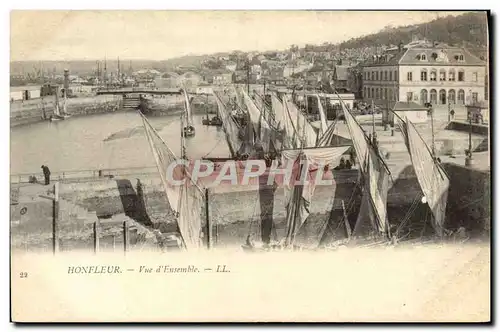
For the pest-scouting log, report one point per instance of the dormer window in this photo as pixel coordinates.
(434, 56)
(459, 57)
(423, 57)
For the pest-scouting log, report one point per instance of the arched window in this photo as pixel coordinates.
(423, 96)
(451, 75)
(442, 96)
(423, 57)
(433, 75)
(461, 57)
(451, 96)
(433, 96)
(442, 75)
(423, 75)
(461, 97)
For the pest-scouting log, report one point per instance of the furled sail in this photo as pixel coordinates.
(375, 176)
(304, 129)
(298, 195)
(188, 108)
(185, 200)
(323, 125)
(262, 130)
(229, 125)
(431, 176)
(279, 113)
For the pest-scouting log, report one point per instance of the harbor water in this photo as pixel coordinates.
(114, 140)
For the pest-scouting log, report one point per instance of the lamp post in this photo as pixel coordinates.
(468, 155)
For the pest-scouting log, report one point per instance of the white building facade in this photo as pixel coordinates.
(437, 75)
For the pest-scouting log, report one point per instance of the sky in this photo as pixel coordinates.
(160, 35)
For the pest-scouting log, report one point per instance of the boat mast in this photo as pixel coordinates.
(209, 225)
(373, 118)
(433, 147)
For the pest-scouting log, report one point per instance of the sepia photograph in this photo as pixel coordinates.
(226, 150)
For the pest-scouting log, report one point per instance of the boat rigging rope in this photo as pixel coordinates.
(408, 215)
(216, 144)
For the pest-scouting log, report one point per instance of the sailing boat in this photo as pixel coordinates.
(215, 121)
(374, 175)
(185, 200)
(188, 130)
(57, 112)
(65, 113)
(431, 176)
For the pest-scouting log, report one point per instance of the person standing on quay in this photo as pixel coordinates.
(46, 174)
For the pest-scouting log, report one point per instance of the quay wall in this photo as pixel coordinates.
(468, 202)
(36, 110)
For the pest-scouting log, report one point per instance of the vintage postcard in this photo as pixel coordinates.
(250, 166)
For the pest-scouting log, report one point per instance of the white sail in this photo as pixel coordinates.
(431, 176)
(279, 113)
(298, 197)
(262, 130)
(185, 200)
(230, 127)
(303, 128)
(322, 115)
(188, 108)
(375, 176)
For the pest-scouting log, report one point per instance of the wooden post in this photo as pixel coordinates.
(96, 237)
(125, 236)
(208, 224)
(55, 219)
(346, 222)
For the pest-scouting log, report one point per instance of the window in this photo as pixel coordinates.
(372, 76)
(451, 75)
(442, 75)
(423, 57)
(423, 75)
(390, 76)
(390, 94)
(474, 77)
(386, 77)
(433, 96)
(461, 75)
(376, 76)
(423, 96)
(461, 96)
(442, 97)
(395, 75)
(451, 96)
(409, 96)
(474, 97)
(385, 92)
(373, 93)
(461, 57)
(377, 93)
(433, 75)
(409, 76)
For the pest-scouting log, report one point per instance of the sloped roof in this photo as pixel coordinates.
(449, 56)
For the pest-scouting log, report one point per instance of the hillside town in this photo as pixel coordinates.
(353, 71)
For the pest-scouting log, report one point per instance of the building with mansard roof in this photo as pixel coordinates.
(438, 73)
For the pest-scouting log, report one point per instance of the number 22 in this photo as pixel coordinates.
(23, 275)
